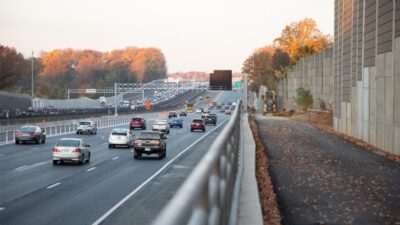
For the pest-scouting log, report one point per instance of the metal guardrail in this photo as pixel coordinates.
(206, 195)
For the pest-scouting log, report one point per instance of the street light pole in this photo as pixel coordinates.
(115, 99)
(32, 85)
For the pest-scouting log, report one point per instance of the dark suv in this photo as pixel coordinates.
(210, 119)
(137, 122)
(150, 142)
(172, 114)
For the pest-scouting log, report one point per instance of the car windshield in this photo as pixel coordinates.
(149, 135)
(137, 119)
(84, 123)
(197, 121)
(28, 129)
(119, 132)
(68, 143)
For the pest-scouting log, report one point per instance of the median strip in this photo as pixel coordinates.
(54, 185)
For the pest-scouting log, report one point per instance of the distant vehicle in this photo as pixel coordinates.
(219, 106)
(150, 142)
(182, 113)
(197, 124)
(210, 120)
(199, 110)
(189, 108)
(222, 110)
(71, 149)
(138, 122)
(103, 101)
(204, 115)
(201, 98)
(120, 137)
(161, 126)
(228, 112)
(30, 133)
(125, 104)
(234, 103)
(176, 122)
(172, 114)
(87, 126)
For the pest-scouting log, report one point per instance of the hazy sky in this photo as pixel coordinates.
(200, 35)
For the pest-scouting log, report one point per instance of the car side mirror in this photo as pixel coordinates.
(87, 145)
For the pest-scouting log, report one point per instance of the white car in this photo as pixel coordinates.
(161, 126)
(199, 111)
(87, 127)
(120, 137)
(71, 149)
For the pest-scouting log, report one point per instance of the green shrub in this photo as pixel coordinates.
(304, 99)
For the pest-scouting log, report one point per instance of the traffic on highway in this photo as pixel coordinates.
(122, 174)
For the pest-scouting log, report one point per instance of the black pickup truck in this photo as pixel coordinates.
(150, 142)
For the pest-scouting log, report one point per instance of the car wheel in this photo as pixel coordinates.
(181, 126)
(136, 155)
(77, 133)
(191, 130)
(38, 140)
(160, 155)
(168, 132)
(81, 160)
(44, 140)
(88, 159)
(204, 130)
(109, 146)
(55, 162)
(16, 142)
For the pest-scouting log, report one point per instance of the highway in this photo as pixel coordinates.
(112, 189)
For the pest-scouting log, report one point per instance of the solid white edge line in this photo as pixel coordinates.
(88, 170)
(1, 208)
(115, 158)
(126, 198)
(54, 185)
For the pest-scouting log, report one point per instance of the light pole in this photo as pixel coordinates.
(115, 99)
(32, 85)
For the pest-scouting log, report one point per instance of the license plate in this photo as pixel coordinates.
(147, 149)
(65, 150)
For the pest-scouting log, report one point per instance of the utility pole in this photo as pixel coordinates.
(245, 93)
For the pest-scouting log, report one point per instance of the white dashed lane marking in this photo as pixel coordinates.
(54, 185)
(115, 158)
(91, 169)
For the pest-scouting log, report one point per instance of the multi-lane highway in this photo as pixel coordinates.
(112, 189)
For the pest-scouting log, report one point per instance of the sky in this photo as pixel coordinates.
(200, 35)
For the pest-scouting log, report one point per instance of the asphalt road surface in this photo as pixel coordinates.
(112, 189)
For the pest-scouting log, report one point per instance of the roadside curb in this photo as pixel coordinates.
(249, 201)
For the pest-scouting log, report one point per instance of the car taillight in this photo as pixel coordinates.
(32, 134)
(17, 133)
(159, 144)
(77, 150)
(137, 142)
(56, 150)
(203, 124)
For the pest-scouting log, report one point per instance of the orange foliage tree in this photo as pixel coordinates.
(302, 38)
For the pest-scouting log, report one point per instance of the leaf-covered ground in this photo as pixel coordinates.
(320, 178)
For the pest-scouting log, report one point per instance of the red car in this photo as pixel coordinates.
(228, 112)
(198, 124)
(138, 122)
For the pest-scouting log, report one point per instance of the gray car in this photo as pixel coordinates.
(72, 150)
(89, 127)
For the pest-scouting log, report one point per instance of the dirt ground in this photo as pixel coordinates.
(321, 178)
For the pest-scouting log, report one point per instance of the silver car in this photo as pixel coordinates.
(72, 150)
(161, 126)
(120, 137)
(87, 127)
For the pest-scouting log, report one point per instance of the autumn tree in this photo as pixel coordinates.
(149, 64)
(302, 38)
(259, 69)
(13, 68)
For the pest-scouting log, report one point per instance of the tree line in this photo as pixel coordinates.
(268, 64)
(57, 70)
